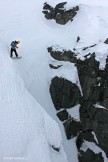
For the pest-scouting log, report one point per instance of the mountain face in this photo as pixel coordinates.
(91, 130)
(87, 91)
(61, 78)
(24, 125)
(59, 14)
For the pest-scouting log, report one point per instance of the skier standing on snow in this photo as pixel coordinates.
(13, 48)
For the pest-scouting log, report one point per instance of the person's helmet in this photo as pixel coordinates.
(18, 41)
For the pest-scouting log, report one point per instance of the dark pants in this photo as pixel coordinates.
(13, 50)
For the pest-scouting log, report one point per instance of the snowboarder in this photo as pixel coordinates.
(13, 48)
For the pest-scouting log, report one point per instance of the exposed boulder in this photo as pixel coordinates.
(96, 119)
(72, 127)
(85, 135)
(85, 48)
(88, 73)
(55, 148)
(63, 115)
(104, 85)
(83, 141)
(60, 5)
(90, 156)
(63, 56)
(106, 41)
(54, 67)
(47, 6)
(64, 93)
(78, 39)
(59, 13)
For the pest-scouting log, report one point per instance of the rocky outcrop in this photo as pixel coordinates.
(87, 135)
(63, 55)
(59, 13)
(88, 76)
(72, 127)
(93, 103)
(54, 67)
(104, 85)
(96, 119)
(63, 115)
(106, 41)
(55, 148)
(90, 156)
(64, 93)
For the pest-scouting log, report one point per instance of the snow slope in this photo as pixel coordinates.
(26, 22)
(36, 34)
(27, 132)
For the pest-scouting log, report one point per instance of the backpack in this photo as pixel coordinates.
(13, 44)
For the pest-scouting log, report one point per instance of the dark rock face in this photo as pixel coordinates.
(54, 67)
(94, 84)
(55, 148)
(63, 56)
(104, 85)
(85, 135)
(106, 41)
(64, 93)
(63, 115)
(97, 120)
(78, 39)
(88, 72)
(85, 48)
(90, 156)
(59, 14)
(72, 127)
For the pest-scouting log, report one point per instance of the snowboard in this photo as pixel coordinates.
(16, 57)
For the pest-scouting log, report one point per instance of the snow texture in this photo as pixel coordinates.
(25, 128)
(74, 112)
(27, 132)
